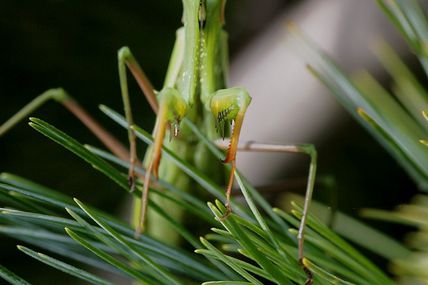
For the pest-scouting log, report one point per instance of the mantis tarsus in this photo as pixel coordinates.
(194, 87)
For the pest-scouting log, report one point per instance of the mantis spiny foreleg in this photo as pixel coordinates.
(172, 109)
(168, 105)
(126, 59)
(230, 105)
(226, 105)
(173, 101)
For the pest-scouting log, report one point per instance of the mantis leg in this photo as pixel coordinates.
(163, 104)
(172, 108)
(126, 59)
(230, 105)
(309, 150)
(60, 96)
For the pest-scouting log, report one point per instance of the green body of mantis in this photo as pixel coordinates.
(194, 88)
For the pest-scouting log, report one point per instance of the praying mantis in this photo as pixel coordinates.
(194, 88)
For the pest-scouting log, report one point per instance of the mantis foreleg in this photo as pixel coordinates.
(230, 105)
(167, 104)
(172, 109)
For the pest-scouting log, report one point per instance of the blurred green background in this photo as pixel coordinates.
(73, 44)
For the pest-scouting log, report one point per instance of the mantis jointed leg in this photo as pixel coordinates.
(172, 109)
(309, 150)
(226, 105)
(169, 107)
(125, 58)
(60, 96)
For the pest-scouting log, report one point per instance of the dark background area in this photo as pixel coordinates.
(73, 44)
